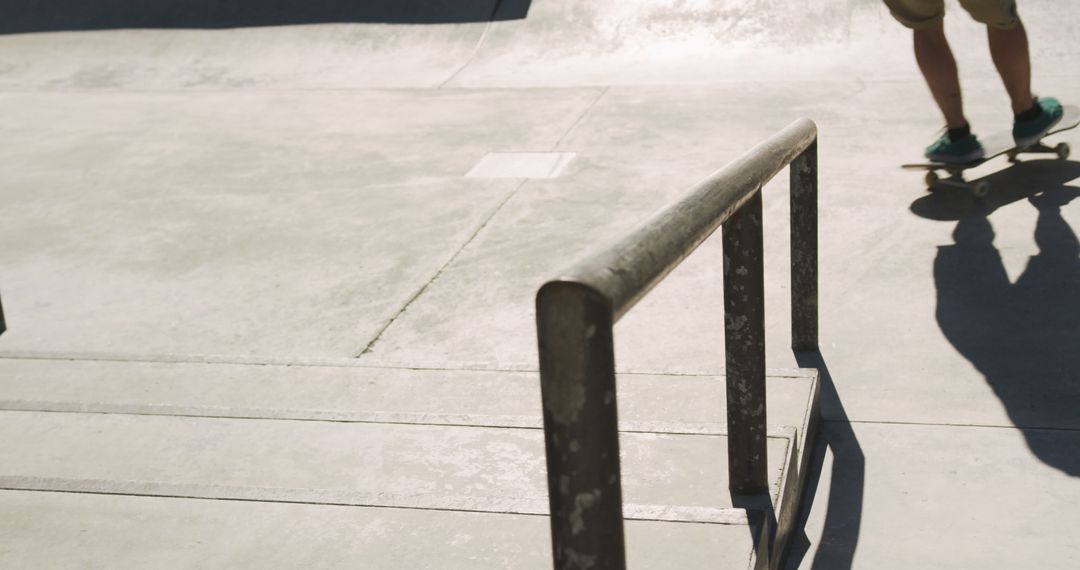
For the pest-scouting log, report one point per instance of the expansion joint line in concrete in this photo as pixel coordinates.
(344, 498)
(343, 362)
(244, 360)
(378, 335)
(415, 419)
(487, 219)
(501, 423)
(581, 118)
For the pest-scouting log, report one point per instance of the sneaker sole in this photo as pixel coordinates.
(973, 156)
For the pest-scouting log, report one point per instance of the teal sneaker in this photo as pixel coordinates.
(1027, 133)
(967, 149)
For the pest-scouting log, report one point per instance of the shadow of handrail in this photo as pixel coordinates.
(847, 478)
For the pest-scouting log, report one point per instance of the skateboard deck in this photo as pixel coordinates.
(994, 146)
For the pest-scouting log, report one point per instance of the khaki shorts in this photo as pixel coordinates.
(919, 14)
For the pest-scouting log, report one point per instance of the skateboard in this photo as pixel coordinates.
(993, 147)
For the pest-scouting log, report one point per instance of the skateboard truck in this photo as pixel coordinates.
(979, 188)
(1062, 151)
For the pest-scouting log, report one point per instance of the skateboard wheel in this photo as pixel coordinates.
(980, 189)
(931, 178)
(1062, 150)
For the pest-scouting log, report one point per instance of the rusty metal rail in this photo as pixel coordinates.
(576, 311)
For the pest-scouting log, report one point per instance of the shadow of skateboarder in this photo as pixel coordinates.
(1023, 335)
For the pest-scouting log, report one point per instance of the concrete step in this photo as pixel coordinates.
(63, 530)
(418, 466)
(432, 450)
(343, 390)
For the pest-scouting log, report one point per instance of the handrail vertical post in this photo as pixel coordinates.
(804, 250)
(744, 338)
(577, 382)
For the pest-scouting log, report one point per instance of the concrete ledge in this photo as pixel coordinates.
(796, 472)
(369, 464)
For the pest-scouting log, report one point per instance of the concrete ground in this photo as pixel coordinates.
(294, 197)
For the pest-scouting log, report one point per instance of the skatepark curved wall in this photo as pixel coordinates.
(487, 43)
(28, 16)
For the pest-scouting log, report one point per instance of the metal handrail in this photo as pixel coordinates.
(576, 311)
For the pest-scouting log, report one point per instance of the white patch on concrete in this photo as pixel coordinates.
(521, 165)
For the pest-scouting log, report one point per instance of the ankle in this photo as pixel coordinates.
(958, 133)
(1031, 113)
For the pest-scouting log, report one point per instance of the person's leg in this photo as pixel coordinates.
(1009, 49)
(1032, 117)
(938, 67)
(935, 58)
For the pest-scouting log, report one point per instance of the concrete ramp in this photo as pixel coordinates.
(614, 42)
(311, 57)
(333, 44)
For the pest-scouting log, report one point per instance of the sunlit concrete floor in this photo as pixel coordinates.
(294, 219)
